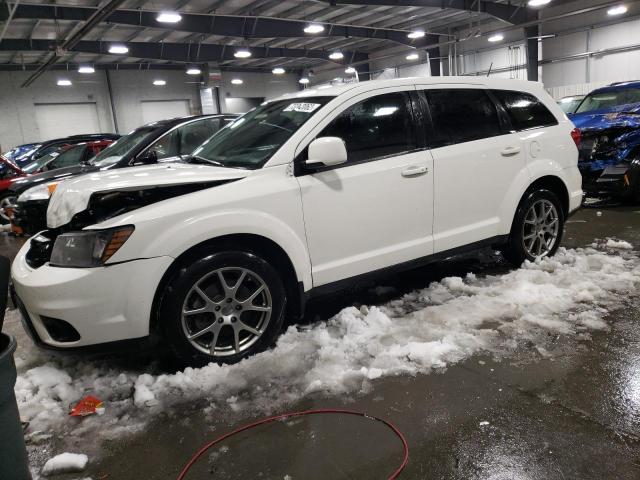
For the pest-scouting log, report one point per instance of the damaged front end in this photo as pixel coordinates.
(609, 155)
(95, 198)
(103, 206)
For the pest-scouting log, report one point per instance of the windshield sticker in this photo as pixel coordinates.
(302, 107)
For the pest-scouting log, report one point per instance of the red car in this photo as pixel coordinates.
(65, 156)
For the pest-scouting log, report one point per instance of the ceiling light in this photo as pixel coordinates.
(118, 49)
(538, 3)
(350, 70)
(303, 80)
(336, 56)
(86, 69)
(498, 37)
(619, 10)
(314, 28)
(412, 56)
(278, 71)
(194, 71)
(169, 17)
(237, 81)
(159, 83)
(63, 82)
(416, 34)
(242, 53)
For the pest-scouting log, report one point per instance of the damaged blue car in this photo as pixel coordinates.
(609, 121)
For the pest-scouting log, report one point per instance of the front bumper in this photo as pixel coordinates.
(102, 305)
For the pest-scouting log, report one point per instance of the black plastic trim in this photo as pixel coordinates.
(351, 282)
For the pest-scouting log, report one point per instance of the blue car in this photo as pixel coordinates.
(609, 121)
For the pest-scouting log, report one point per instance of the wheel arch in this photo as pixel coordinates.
(554, 184)
(252, 243)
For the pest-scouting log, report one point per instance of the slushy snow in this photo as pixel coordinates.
(65, 463)
(422, 331)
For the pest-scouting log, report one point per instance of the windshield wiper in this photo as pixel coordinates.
(205, 161)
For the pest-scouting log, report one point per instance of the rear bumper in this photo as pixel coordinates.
(102, 305)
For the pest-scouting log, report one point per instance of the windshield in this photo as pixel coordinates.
(598, 100)
(118, 149)
(251, 140)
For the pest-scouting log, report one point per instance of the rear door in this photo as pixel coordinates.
(476, 157)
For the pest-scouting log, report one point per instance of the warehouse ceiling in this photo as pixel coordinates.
(69, 33)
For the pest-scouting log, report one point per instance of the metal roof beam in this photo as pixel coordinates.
(178, 52)
(225, 25)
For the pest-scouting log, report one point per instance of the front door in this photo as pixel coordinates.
(375, 210)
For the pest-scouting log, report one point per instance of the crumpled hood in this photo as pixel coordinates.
(72, 196)
(618, 116)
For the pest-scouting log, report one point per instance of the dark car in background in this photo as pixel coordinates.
(65, 156)
(165, 140)
(609, 121)
(25, 154)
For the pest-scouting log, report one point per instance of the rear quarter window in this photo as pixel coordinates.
(525, 111)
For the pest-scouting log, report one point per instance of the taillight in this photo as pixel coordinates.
(577, 136)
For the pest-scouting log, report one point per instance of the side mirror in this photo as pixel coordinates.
(327, 151)
(149, 157)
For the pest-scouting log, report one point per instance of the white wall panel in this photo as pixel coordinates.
(154, 110)
(56, 120)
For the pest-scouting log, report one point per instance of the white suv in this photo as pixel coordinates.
(307, 193)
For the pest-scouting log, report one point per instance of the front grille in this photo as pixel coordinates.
(31, 216)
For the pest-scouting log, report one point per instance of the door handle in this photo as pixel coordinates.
(508, 151)
(414, 170)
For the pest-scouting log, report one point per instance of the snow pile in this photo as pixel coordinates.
(422, 331)
(65, 463)
(621, 244)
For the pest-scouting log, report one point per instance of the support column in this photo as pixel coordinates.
(434, 61)
(532, 52)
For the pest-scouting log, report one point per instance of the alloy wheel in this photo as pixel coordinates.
(540, 228)
(226, 311)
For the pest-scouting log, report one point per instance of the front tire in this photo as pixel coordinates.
(537, 227)
(222, 308)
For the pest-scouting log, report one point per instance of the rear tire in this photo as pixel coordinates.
(222, 308)
(537, 227)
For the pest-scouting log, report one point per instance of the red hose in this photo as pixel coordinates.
(394, 475)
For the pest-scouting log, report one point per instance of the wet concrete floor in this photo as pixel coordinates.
(574, 415)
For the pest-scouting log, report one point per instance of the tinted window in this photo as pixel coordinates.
(68, 158)
(462, 115)
(194, 134)
(524, 110)
(376, 127)
(167, 146)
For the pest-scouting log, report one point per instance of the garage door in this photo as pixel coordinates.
(152, 111)
(57, 120)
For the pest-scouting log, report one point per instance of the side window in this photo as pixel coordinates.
(67, 159)
(167, 146)
(194, 134)
(462, 115)
(525, 111)
(376, 127)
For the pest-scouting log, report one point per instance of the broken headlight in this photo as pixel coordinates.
(88, 248)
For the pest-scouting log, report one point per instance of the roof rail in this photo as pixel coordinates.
(621, 83)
